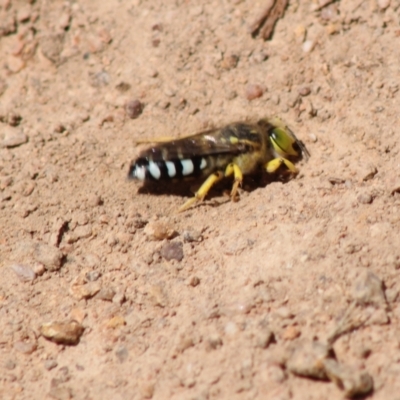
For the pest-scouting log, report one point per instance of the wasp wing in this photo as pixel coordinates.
(233, 139)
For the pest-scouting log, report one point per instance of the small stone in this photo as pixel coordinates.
(24, 272)
(64, 20)
(86, 291)
(10, 365)
(51, 257)
(213, 342)
(119, 298)
(264, 339)
(253, 91)
(308, 46)
(229, 61)
(8, 24)
(51, 45)
(192, 236)
(157, 295)
(60, 393)
(24, 13)
(291, 332)
(159, 230)
(38, 269)
(92, 276)
(67, 333)
(146, 390)
(304, 91)
(133, 108)
(354, 383)
(106, 294)
(370, 172)
(13, 138)
(94, 200)
(368, 289)
(183, 342)
(13, 119)
(122, 353)
(123, 87)
(99, 79)
(15, 64)
(383, 4)
(194, 281)
(307, 359)
(365, 198)
(116, 322)
(50, 364)
(78, 315)
(25, 347)
(172, 251)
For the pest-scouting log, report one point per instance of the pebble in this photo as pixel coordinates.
(94, 200)
(24, 272)
(60, 393)
(119, 298)
(86, 291)
(106, 294)
(13, 138)
(146, 390)
(383, 4)
(291, 332)
(307, 359)
(51, 45)
(133, 108)
(194, 281)
(365, 198)
(354, 383)
(3, 88)
(304, 91)
(99, 79)
(213, 342)
(51, 257)
(172, 251)
(192, 236)
(368, 289)
(116, 322)
(159, 230)
(67, 333)
(308, 46)
(38, 269)
(157, 295)
(122, 353)
(24, 13)
(25, 347)
(253, 91)
(10, 365)
(229, 61)
(50, 364)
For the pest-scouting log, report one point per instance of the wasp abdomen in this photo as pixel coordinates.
(147, 169)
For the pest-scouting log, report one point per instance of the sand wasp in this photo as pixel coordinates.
(237, 149)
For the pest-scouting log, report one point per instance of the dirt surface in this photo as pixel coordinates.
(244, 300)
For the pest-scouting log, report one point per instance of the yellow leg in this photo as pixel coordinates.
(237, 173)
(204, 189)
(273, 165)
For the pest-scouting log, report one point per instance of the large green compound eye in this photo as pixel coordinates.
(283, 143)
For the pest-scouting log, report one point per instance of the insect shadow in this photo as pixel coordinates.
(188, 187)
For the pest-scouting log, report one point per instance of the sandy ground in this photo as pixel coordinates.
(290, 293)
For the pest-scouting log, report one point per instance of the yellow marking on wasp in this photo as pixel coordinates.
(204, 189)
(276, 163)
(231, 169)
(237, 173)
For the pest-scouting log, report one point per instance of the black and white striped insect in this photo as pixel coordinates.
(236, 149)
